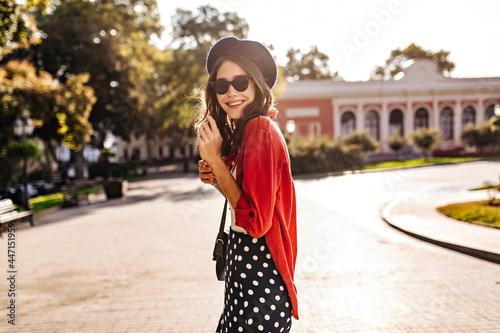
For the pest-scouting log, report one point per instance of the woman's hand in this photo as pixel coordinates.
(209, 141)
(206, 174)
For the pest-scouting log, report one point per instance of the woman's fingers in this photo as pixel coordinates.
(205, 171)
(213, 124)
(204, 167)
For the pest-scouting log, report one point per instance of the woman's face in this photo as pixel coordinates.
(234, 101)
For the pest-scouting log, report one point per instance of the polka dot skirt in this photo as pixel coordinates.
(255, 297)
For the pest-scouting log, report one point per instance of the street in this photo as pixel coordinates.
(144, 263)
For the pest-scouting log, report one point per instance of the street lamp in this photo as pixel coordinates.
(497, 110)
(290, 127)
(23, 127)
(108, 144)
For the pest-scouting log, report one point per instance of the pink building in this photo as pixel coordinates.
(422, 97)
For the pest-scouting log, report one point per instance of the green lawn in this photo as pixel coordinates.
(43, 202)
(419, 161)
(474, 212)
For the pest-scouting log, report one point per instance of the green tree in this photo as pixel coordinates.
(74, 105)
(202, 29)
(396, 142)
(23, 90)
(59, 111)
(361, 139)
(184, 72)
(308, 66)
(425, 140)
(479, 136)
(394, 64)
(17, 23)
(97, 37)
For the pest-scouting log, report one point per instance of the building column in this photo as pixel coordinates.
(337, 130)
(409, 116)
(384, 127)
(435, 106)
(480, 112)
(457, 122)
(360, 119)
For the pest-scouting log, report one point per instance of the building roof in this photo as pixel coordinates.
(421, 77)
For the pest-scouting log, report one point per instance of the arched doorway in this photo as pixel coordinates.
(396, 122)
(446, 123)
(348, 122)
(372, 124)
(421, 118)
(468, 116)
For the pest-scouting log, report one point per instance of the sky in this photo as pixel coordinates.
(358, 35)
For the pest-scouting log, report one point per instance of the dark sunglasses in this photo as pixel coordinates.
(222, 86)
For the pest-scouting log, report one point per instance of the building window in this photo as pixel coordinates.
(136, 154)
(468, 116)
(315, 129)
(348, 123)
(490, 111)
(302, 112)
(421, 118)
(372, 124)
(396, 122)
(446, 123)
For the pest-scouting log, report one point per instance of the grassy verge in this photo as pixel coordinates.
(419, 161)
(43, 202)
(479, 212)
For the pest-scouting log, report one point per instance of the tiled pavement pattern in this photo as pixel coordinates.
(143, 263)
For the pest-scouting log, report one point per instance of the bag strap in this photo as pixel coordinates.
(223, 220)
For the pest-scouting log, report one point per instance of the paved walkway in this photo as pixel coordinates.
(417, 216)
(143, 264)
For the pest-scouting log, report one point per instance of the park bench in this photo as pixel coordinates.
(8, 213)
(71, 192)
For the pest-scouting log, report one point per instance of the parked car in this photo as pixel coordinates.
(32, 191)
(43, 187)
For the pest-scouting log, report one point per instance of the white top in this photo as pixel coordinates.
(234, 227)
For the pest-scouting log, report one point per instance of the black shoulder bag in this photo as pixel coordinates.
(220, 248)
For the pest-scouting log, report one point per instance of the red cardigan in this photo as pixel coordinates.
(267, 205)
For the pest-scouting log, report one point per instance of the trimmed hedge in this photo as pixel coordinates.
(312, 155)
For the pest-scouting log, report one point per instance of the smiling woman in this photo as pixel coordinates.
(236, 132)
(233, 96)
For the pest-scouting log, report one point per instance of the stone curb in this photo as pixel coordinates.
(471, 250)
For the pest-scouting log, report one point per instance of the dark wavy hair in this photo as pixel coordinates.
(232, 130)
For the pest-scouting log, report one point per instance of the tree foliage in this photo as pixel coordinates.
(425, 139)
(396, 142)
(24, 90)
(17, 23)
(98, 38)
(74, 105)
(395, 63)
(479, 136)
(193, 35)
(309, 155)
(308, 66)
(202, 29)
(361, 139)
(28, 149)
